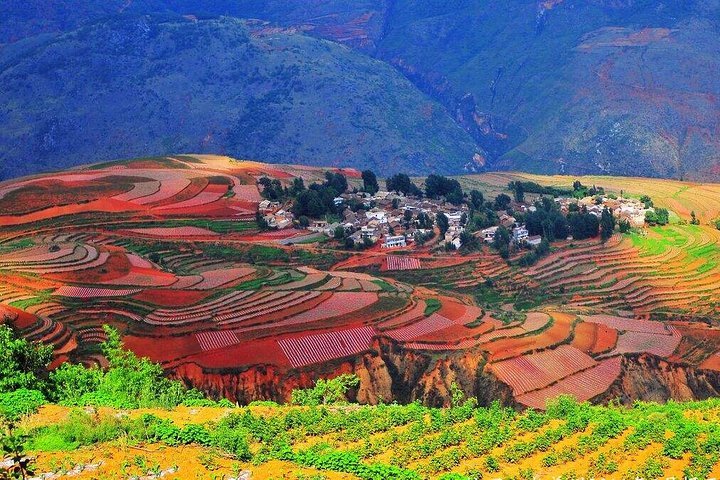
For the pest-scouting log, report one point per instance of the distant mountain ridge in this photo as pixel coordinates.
(623, 87)
(145, 85)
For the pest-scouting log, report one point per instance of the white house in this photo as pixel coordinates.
(534, 240)
(317, 225)
(488, 235)
(376, 214)
(520, 234)
(394, 241)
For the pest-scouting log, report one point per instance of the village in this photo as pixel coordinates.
(393, 220)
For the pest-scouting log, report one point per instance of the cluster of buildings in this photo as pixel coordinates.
(519, 235)
(630, 209)
(274, 215)
(383, 219)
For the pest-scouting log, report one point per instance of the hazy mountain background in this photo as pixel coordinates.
(595, 86)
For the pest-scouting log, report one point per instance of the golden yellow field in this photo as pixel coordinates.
(680, 197)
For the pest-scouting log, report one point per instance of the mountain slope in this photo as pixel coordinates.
(581, 87)
(561, 86)
(133, 86)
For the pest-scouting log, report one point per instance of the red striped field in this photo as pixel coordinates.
(398, 262)
(321, 347)
(530, 372)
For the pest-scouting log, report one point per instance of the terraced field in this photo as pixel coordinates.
(175, 261)
(672, 269)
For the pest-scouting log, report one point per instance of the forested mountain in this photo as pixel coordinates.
(602, 86)
(136, 86)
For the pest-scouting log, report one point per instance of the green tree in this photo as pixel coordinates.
(310, 204)
(502, 242)
(71, 382)
(326, 392)
(370, 183)
(624, 226)
(607, 224)
(336, 181)
(400, 182)
(22, 364)
(693, 219)
(518, 190)
(442, 222)
(502, 202)
(477, 200)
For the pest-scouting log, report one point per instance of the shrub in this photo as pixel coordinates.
(325, 391)
(20, 402)
(22, 364)
(71, 382)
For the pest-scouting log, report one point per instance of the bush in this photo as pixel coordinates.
(325, 391)
(22, 364)
(70, 383)
(20, 402)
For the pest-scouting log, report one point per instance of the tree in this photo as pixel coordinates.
(583, 225)
(518, 190)
(624, 226)
(401, 183)
(370, 183)
(261, 222)
(476, 200)
(407, 216)
(272, 189)
(297, 186)
(442, 222)
(424, 222)
(469, 242)
(660, 216)
(439, 186)
(336, 181)
(607, 224)
(502, 201)
(309, 203)
(502, 242)
(22, 364)
(693, 219)
(339, 232)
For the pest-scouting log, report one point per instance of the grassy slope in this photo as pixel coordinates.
(137, 86)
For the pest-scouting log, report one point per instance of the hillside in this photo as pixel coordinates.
(171, 249)
(132, 86)
(600, 87)
(550, 88)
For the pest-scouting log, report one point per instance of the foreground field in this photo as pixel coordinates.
(569, 440)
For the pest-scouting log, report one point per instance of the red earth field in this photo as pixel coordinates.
(167, 251)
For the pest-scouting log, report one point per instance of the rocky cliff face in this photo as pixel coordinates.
(650, 378)
(390, 373)
(387, 374)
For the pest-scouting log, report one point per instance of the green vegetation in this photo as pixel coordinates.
(128, 382)
(321, 430)
(432, 305)
(325, 392)
(417, 442)
(218, 226)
